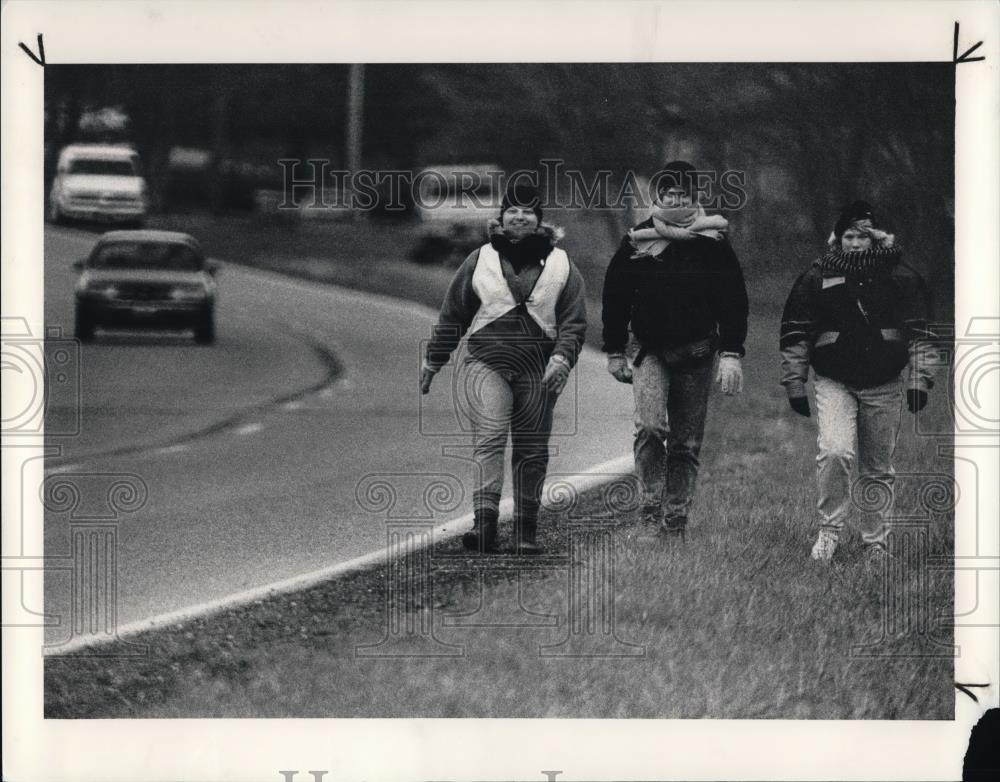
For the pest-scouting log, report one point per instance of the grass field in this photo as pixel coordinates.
(735, 622)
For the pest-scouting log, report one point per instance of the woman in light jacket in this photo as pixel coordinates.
(522, 303)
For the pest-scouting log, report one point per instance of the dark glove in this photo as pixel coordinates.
(916, 399)
(426, 378)
(800, 404)
(619, 368)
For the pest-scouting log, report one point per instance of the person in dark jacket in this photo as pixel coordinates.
(522, 303)
(674, 295)
(858, 316)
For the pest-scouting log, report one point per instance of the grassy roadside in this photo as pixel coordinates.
(736, 622)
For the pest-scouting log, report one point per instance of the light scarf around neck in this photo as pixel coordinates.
(675, 224)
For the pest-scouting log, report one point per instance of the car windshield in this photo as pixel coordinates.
(102, 167)
(146, 255)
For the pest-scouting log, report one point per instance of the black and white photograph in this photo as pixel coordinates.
(651, 388)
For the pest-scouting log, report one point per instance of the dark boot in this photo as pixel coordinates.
(526, 537)
(482, 537)
(672, 527)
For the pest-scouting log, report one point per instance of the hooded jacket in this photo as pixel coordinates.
(857, 318)
(692, 291)
(526, 317)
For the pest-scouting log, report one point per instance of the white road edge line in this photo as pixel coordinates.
(581, 482)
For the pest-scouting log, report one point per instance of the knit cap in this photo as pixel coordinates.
(858, 212)
(676, 173)
(524, 195)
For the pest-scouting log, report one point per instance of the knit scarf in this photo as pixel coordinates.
(861, 262)
(675, 224)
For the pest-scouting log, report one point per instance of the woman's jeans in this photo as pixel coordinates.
(869, 417)
(670, 405)
(499, 402)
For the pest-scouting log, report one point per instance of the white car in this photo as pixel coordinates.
(100, 182)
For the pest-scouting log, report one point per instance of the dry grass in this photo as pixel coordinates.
(736, 622)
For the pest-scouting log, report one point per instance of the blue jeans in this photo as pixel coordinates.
(869, 417)
(501, 403)
(671, 401)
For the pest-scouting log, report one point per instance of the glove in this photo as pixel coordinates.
(730, 374)
(916, 399)
(619, 368)
(426, 378)
(800, 404)
(556, 373)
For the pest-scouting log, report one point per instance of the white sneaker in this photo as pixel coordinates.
(825, 545)
(876, 555)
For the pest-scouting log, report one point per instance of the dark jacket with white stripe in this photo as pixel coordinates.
(859, 324)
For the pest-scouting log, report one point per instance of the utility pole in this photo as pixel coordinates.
(355, 120)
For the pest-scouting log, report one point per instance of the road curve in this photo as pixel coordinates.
(299, 486)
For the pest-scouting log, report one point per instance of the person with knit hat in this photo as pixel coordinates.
(857, 316)
(674, 296)
(521, 302)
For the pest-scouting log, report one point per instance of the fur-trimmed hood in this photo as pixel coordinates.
(554, 233)
(533, 248)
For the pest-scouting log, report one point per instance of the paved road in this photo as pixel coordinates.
(284, 488)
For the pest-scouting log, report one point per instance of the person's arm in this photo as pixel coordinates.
(925, 356)
(798, 334)
(732, 307)
(571, 317)
(457, 311)
(616, 299)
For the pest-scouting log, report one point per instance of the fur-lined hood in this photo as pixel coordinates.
(554, 233)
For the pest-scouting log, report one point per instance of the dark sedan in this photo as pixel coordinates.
(146, 279)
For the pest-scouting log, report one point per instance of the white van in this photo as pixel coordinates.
(98, 182)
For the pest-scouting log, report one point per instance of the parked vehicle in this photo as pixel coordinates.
(100, 182)
(146, 279)
(454, 204)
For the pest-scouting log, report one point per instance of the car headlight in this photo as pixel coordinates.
(190, 291)
(107, 290)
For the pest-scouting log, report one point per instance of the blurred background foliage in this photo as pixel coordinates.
(811, 137)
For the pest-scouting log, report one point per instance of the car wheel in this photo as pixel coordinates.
(204, 329)
(55, 214)
(83, 327)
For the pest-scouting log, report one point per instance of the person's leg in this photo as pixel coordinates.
(649, 389)
(879, 414)
(687, 405)
(489, 400)
(531, 425)
(836, 415)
